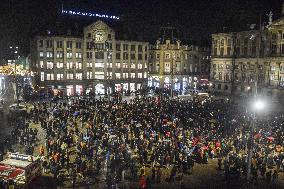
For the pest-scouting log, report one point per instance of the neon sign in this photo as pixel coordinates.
(71, 12)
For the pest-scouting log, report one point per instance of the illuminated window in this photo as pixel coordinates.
(49, 54)
(59, 64)
(272, 77)
(140, 65)
(272, 68)
(49, 65)
(167, 67)
(89, 64)
(41, 64)
(41, 54)
(145, 74)
(220, 76)
(118, 65)
(78, 65)
(79, 76)
(132, 66)
(41, 76)
(125, 65)
(78, 55)
(117, 75)
(132, 75)
(89, 75)
(59, 54)
(99, 65)
(69, 65)
(70, 75)
(125, 75)
(69, 55)
(59, 76)
(50, 77)
(140, 75)
(109, 65)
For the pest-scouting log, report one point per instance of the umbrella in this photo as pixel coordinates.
(76, 113)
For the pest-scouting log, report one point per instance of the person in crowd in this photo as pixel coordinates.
(158, 134)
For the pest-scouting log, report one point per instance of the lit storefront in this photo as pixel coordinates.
(79, 89)
(118, 87)
(132, 87)
(167, 83)
(125, 86)
(88, 90)
(70, 90)
(99, 89)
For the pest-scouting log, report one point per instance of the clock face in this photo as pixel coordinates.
(99, 36)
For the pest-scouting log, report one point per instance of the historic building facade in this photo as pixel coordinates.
(96, 62)
(243, 60)
(171, 62)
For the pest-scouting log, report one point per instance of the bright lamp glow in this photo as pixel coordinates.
(258, 105)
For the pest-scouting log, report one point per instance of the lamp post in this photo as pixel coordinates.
(257, 106)
(109, 56)
(172, 76)
(14, 51)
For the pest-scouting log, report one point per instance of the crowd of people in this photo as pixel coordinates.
(150, 140)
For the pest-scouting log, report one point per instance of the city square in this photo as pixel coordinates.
(117, 95)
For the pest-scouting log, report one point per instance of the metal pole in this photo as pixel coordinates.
(251, 142)
(250, 147)
(172, 77)
(16, 83)
(108, 76)
(15, 52)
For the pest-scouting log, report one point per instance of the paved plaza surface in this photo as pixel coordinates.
(200, 176)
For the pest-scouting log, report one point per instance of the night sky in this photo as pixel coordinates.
(195, 20)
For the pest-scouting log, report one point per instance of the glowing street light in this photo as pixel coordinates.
(258, 105)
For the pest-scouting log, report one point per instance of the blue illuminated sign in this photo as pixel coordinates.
(71, 12)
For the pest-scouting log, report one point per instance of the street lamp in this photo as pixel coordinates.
(14, 51)
(257, 106)
(109, 74)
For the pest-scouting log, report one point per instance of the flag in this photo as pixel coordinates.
(257, 136)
